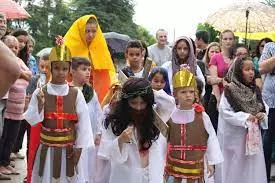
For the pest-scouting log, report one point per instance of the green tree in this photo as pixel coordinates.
(144, 35)
(49, 19)
(210, 29)
(270, 3)
(113, 15)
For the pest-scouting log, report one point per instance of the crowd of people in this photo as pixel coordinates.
(193, 112)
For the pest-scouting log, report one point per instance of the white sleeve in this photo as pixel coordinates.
(201, 77)
(213, 153)
(229, 116)
(96, 114)
(84, 133)
(32, 116)
(264, 123)
(109, 149)
(156, 166)
(165, 104)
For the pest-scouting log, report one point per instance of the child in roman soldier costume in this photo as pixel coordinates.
(66, 130)
(193, 147)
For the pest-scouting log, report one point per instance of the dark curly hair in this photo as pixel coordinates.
(121, 116)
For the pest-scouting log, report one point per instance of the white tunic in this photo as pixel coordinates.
(126, 165)
(237, 167)
(168, 66)
(213, 155)
(84, 137)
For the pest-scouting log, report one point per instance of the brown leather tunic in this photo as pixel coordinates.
(187, 144)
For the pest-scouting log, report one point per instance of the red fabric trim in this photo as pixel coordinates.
(188, 147)
(182, 140)
(183, 161)
(56, 130)
(59, 110)
(60, 116)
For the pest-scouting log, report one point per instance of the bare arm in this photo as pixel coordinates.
(267, 65)
(9, 69)
(214, 73)
(26, 75)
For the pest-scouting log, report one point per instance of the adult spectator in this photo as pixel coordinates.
(202, 39)
(3, 25)
(267, 67)
(160, 52)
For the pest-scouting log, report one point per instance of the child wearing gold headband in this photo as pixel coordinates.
(193, 147)
(66, 131)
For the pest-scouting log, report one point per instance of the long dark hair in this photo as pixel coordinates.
(120, 117)
(257, 51)
(164, 73)
(23, 54)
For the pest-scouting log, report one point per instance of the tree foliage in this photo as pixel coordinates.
(213, 34)
(50, 18)
(144, 35)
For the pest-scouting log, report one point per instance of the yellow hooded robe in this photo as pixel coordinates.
(103, 71)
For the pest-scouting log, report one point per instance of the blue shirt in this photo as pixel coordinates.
(269, 82)
(33, 66)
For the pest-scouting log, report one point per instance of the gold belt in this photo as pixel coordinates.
(184, 170)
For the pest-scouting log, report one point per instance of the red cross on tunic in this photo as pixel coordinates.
(183, 147)
(59, 115)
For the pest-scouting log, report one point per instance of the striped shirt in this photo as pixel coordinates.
(269, 82)
(16, 97)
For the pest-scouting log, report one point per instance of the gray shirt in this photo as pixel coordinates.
(160, 55)
(269, 82)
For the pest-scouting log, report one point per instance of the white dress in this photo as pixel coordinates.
(126, 165)
(213, 153)
(168, 66)
(237, 167)
(84, 137)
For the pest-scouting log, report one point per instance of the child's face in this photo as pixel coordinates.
(158, 82)
(82, 74)
(60, 71)
(44, 66)
(248, 71)
(134, 57)
(13, 45)
(22, 39)
(137, 103)
(90, 32)
(185, 96)
(182, 50)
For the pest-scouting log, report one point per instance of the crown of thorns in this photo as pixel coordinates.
(139, 92)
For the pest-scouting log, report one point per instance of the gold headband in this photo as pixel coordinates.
(60, 53)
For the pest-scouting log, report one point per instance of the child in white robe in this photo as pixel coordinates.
(241, 113)
(66, 131)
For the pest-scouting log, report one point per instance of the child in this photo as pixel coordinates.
(85, 39)
(81, 69)
(38, 81)
(129, 141)
(64, 114)
(193, 147)
(242, 111)
(14, 110)
(134, 58)
(159, 79)
(183, 53)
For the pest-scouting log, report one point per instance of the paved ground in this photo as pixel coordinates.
(21, 165)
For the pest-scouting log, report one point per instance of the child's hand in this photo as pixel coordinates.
(251, 118)
(210, 170)
(41, 100)
(260, 116)
(126, 135)
(97, 139)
